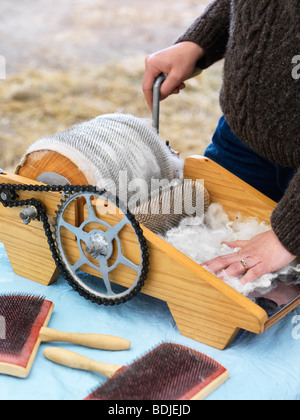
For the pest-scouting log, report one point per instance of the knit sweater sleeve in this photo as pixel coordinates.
(211, 32)
(286, 217)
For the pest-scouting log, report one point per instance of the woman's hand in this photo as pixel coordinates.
(177, 62)
(261, 255)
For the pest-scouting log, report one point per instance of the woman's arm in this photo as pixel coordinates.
(211, 32)
(201, 45)
(286, 217)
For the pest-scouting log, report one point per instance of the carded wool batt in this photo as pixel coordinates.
(114, 151)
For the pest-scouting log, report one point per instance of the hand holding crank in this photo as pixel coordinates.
(177, 62)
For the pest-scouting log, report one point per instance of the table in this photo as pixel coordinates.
(261, 367)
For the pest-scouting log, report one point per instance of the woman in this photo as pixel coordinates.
(258, 138)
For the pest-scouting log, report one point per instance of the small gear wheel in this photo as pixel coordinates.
(108, 245)
(7, 194)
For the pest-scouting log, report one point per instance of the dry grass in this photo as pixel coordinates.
(39, 103)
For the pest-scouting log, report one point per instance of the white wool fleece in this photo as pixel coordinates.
(201, 240)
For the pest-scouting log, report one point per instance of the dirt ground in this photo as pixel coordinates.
(70, 61)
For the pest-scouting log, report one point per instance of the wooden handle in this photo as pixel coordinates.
(77, 361)
(94, 341)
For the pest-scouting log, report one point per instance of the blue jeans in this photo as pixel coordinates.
(228, 151)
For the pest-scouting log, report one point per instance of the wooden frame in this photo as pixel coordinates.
(203, 306)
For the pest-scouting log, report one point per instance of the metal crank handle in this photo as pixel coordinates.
(156, 100)
(156, 96)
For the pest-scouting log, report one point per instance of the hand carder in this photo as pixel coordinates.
(24, 319)
(169, 372)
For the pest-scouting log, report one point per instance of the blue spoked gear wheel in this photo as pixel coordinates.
(98, 242)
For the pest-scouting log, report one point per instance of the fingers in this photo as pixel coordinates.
(261, 255)
(237, 264)
(178, 89)
(148, 82)
(172, 85)
(221, 263)
(232, 266)
(236, 244)
(231, 260)
(256, 272)
(155, 64)
(235, 270)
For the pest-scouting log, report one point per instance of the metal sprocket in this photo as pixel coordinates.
(96, 246)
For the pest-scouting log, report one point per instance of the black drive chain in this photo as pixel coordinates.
(8, 198)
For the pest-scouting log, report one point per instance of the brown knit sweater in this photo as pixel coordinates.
(260, 98)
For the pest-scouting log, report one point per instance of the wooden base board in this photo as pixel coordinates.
(236, 196)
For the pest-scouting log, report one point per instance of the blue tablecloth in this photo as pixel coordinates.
(264, 367)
